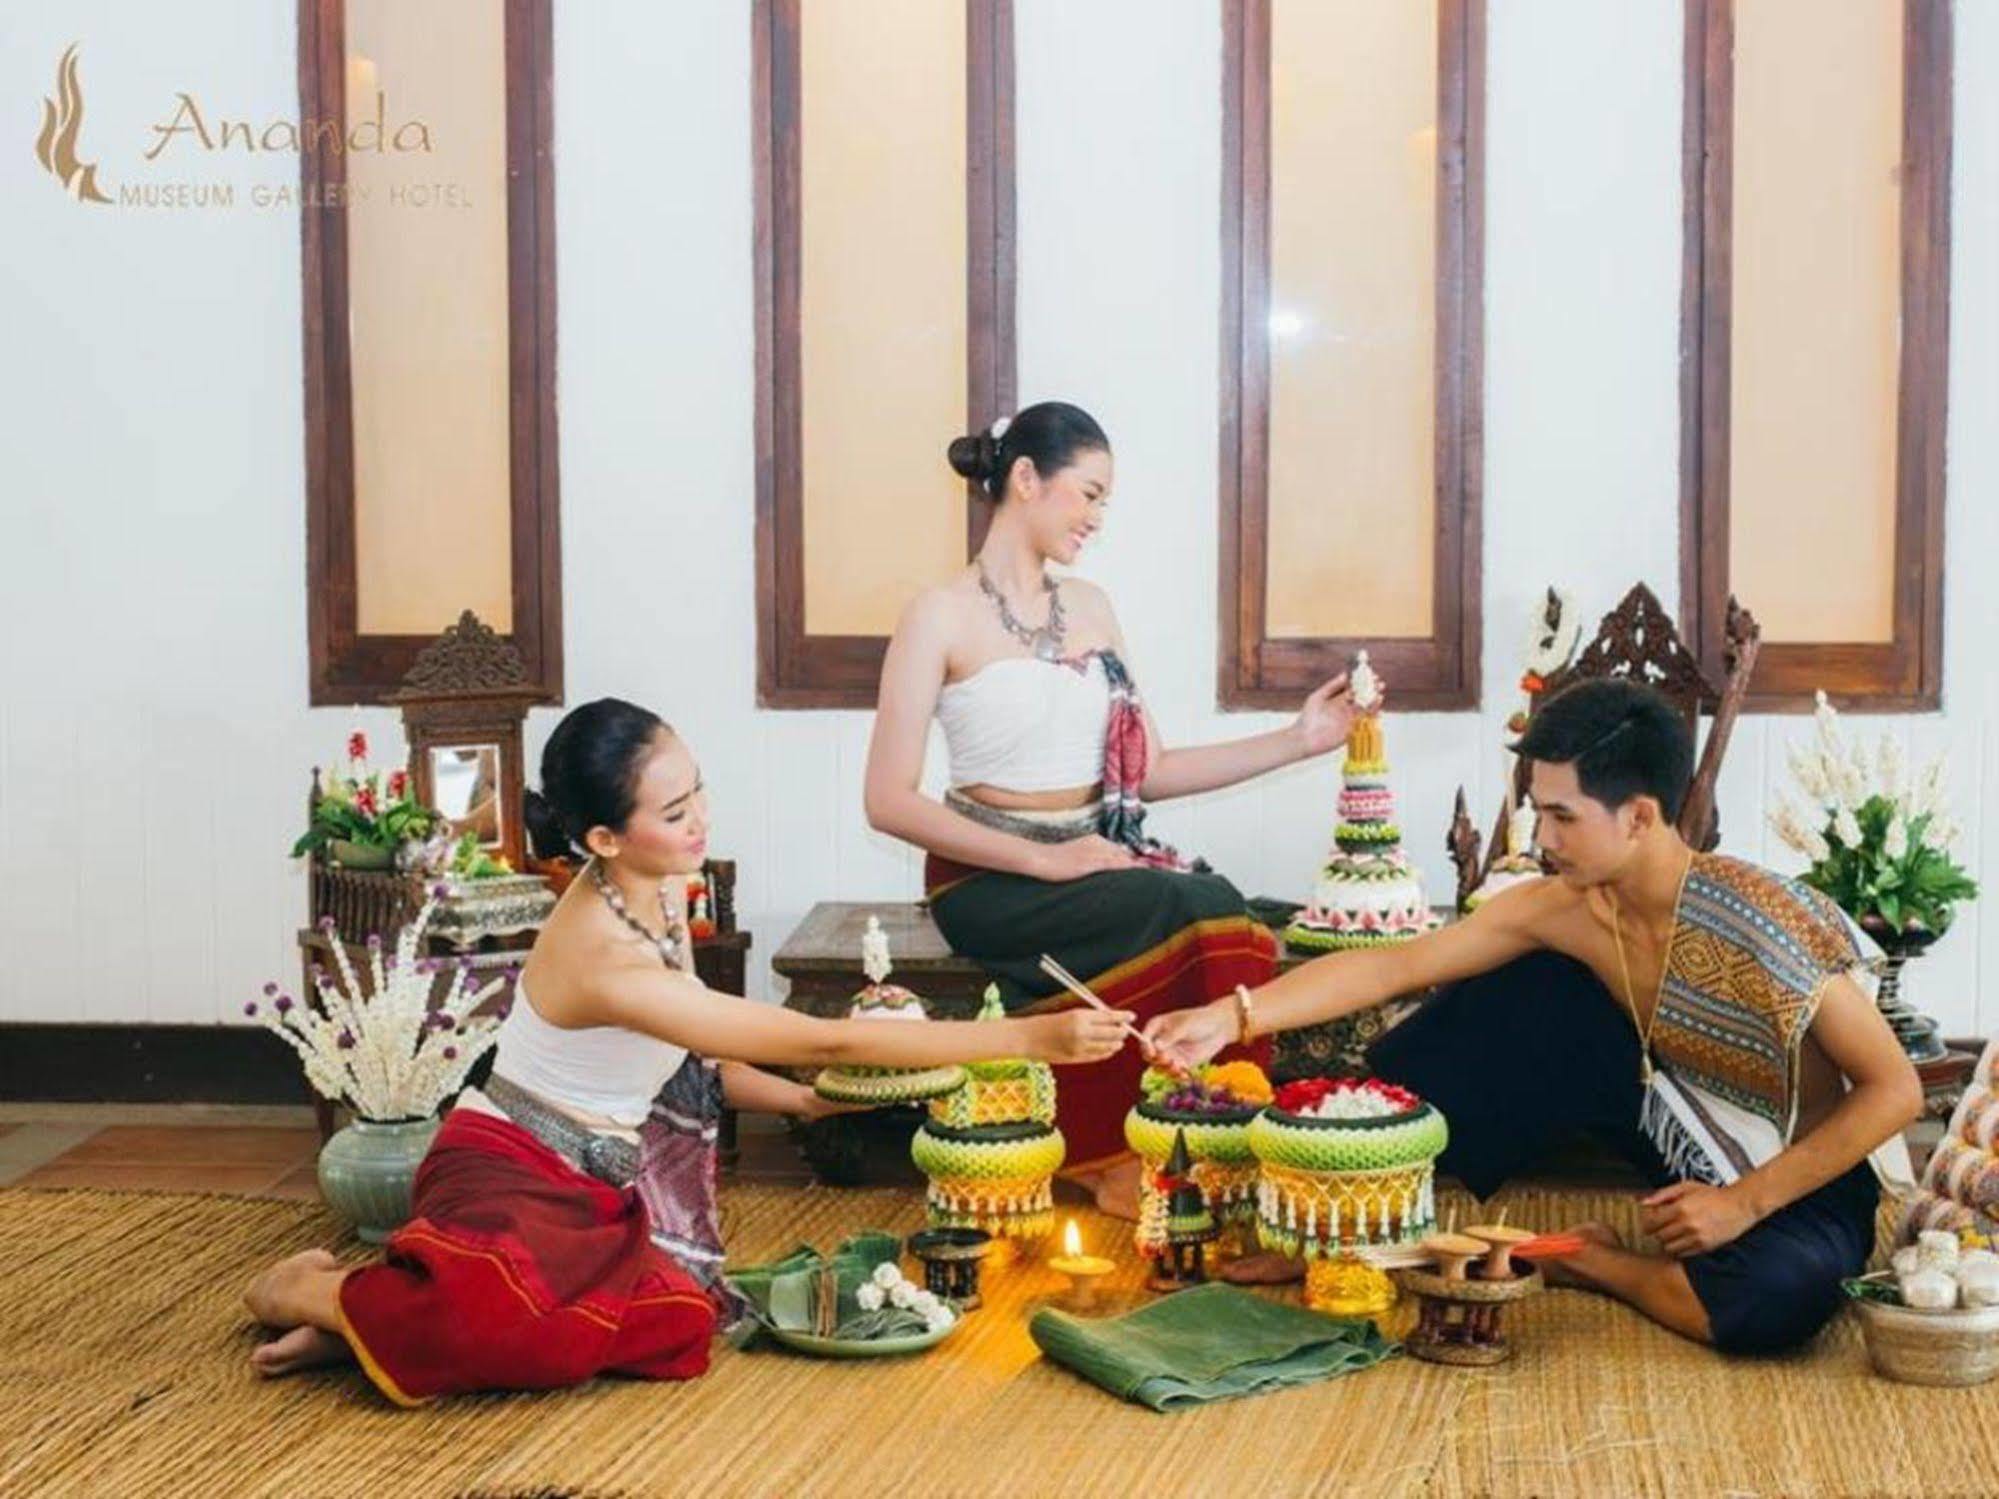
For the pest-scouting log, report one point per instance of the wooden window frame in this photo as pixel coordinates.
(1442, 670)
(347, 666)
(1907, 673)
(796, 669)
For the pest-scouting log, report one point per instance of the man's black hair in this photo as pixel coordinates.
(1625, 739)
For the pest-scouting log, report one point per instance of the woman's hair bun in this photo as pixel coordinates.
(1048, 434)
(975, 457)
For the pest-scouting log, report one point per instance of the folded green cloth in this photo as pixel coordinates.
(1213, 1342)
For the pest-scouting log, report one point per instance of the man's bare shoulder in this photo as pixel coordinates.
(1544, 909)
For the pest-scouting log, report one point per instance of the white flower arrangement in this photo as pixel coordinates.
(1877, 837)
(888, 1287)
(387, 1052)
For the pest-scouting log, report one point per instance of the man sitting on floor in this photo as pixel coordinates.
(1698, 1013)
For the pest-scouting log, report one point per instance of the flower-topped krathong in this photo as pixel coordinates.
(1878, 834)
(1346, 1163)
(1210, 1108)
(990, 1148)
(387, 1051)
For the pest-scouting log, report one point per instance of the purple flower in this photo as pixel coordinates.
(326, 923)
(346, 1040)
(450, 1053)
(374, 942)
(269, 990)
(446, 1023)
(250, 1008)
(284, 1003)
(439, 891)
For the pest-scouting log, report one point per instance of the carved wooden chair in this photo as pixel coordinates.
(1638, 640)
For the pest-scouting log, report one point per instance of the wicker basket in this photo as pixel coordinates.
(1958, 1347)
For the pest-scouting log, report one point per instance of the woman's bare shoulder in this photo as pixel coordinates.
(941, 609)
(573, 951)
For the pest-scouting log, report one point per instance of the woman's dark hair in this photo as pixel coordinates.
(589, 774)
(1050, 433)
(1624, 738)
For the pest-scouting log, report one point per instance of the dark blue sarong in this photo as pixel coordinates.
(1537, 1053)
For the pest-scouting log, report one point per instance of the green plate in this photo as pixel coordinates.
(819, 1347)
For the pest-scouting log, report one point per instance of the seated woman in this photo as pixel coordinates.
(1039, 846)
(563, 1222)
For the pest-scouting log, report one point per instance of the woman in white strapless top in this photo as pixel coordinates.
(1038, 845)
(562, 1224)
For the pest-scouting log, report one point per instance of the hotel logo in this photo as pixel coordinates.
(55, 146)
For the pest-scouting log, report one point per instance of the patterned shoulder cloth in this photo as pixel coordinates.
(1127, 756)
(1750, 958)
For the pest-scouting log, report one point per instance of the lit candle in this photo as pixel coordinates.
(1083, 1270)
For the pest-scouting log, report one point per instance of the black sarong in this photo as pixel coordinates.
(1538, 1052)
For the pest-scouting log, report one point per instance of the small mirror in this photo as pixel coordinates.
(465, 784)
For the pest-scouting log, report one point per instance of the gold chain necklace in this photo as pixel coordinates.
(1651, 1021)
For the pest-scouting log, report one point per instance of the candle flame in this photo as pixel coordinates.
(1072, 1240)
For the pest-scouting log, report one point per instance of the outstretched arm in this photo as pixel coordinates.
(1691, 1218)
(753, 1090)
(1344, 983)
(678, 1009)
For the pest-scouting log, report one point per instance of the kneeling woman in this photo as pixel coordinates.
(563, 1222)
(1038, 846)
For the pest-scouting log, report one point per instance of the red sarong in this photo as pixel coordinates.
(518, 1272)
(1195, 943)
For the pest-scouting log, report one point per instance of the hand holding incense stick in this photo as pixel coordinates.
(1081, 990)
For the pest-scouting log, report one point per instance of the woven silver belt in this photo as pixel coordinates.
(612, 1161)
(1080, 823)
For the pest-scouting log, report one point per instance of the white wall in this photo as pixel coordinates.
(153, 728)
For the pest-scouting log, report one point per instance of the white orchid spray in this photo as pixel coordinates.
(1876, 836)
(387, 1051)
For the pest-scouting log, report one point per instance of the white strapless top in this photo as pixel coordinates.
(603, 1070)
(1024, 724)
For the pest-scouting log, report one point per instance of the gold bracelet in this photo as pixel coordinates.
(1245, 1014)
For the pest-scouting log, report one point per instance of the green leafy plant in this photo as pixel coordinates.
(364, 807)
(471, 862)
(1879, 839)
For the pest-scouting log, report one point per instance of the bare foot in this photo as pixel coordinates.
(301, 1348)
(1269, 1269)
(1558, 1273)
(1117, 1191)
(277, 1296)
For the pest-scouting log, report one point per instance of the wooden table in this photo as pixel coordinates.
(821, 960)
